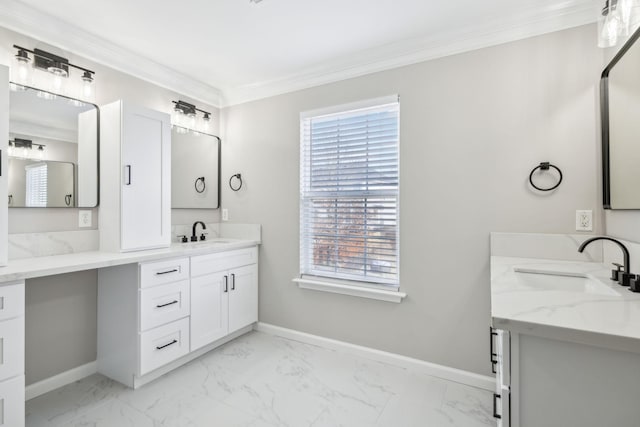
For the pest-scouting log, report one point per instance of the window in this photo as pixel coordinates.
(349, 185)
(36, 192)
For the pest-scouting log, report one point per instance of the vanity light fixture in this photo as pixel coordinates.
(57, 69)
(19, 147)
(185, 118)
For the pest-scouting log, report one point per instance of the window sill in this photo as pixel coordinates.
(355, 291)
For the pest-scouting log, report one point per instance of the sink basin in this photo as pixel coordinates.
(205, 242)
(564, 282)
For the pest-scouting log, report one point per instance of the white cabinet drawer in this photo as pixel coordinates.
(164, 304)
(12, 402)
(212, 263)
(11, 348)
(163, 344)
(161, 272)
(11, 300)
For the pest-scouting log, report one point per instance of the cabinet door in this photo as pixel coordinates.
(209, 308)
(145, 177)
(243, 297)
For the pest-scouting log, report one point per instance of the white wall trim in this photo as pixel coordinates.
(29, 21)
(60, 380)
(435, 370)
(351, 290)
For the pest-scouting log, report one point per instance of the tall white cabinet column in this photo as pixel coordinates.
(4, 163)
(135, 184)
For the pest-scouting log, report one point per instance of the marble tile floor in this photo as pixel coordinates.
(259, 380)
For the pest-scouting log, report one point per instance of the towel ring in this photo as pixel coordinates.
(239, 177)
(199, 185)
(544, 166)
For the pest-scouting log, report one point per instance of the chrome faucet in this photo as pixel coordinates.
(623, 277)
(194, 237)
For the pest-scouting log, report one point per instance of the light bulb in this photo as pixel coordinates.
(40, 152)
(25, 152)
(23, 67)
(191, 123)
(206, 120)
(87, 86)
(56, 83)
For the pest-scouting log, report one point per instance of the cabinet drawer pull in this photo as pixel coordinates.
(128, 180)
(494, 355)
(226, 283)
(233, 282)
(159, 273)
(495, 406)
(172, 343)
(167, 304)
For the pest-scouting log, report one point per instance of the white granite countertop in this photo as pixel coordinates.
(590, 309)
(27, 268)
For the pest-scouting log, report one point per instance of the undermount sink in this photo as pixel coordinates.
(565, 282)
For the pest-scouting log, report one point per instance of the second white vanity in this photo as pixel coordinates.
(565, 338)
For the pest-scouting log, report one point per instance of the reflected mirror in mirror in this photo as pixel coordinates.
(53, 150)
(620, 102)
(195, 170)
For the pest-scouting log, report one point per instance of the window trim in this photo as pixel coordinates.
(376, 290)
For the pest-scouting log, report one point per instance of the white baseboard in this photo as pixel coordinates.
(62, 379)
(435, 370)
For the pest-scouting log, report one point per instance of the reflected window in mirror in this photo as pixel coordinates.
(53, 150)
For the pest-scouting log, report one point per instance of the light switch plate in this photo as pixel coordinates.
(225, 214)
(84, 219)
(584, 220)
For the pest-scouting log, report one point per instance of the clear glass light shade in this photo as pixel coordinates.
(11, 149)
(88, 87)
(617, 19)
(191, 120)
(178, 117)
(21, 70)
(40, 153)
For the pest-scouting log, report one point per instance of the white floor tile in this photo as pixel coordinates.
(259, 380)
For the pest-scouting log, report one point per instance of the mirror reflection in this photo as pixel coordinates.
(195, 168)
(620, 101)
(53, 150)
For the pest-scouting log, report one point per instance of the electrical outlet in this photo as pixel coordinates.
(84, 218)
(584, 220)
(225, 214)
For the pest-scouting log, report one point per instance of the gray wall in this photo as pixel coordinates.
(472, 128)
(60, 323)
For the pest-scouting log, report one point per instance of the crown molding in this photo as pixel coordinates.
(24, 19)
(21, 18)
(566, 15)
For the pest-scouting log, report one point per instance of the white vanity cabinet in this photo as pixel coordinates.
(143, 318)
(224, 294)
(12, 379)
(501, 366)
(135, 184)
(155, 316)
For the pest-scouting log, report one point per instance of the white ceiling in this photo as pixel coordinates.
(236, 50)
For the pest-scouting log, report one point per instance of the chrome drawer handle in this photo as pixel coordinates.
(167, 304)
(175, 270)
(166, 345)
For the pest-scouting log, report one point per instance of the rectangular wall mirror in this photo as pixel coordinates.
(53, 150)
(620, 102)
(195, 170)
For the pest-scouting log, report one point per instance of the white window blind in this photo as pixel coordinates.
(36, 192)
(349, 184)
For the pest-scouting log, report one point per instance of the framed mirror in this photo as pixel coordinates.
(620, 102)
(53, 150)
(195, 170)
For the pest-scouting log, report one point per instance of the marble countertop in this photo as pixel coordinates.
(590, 309)
(27, 268)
